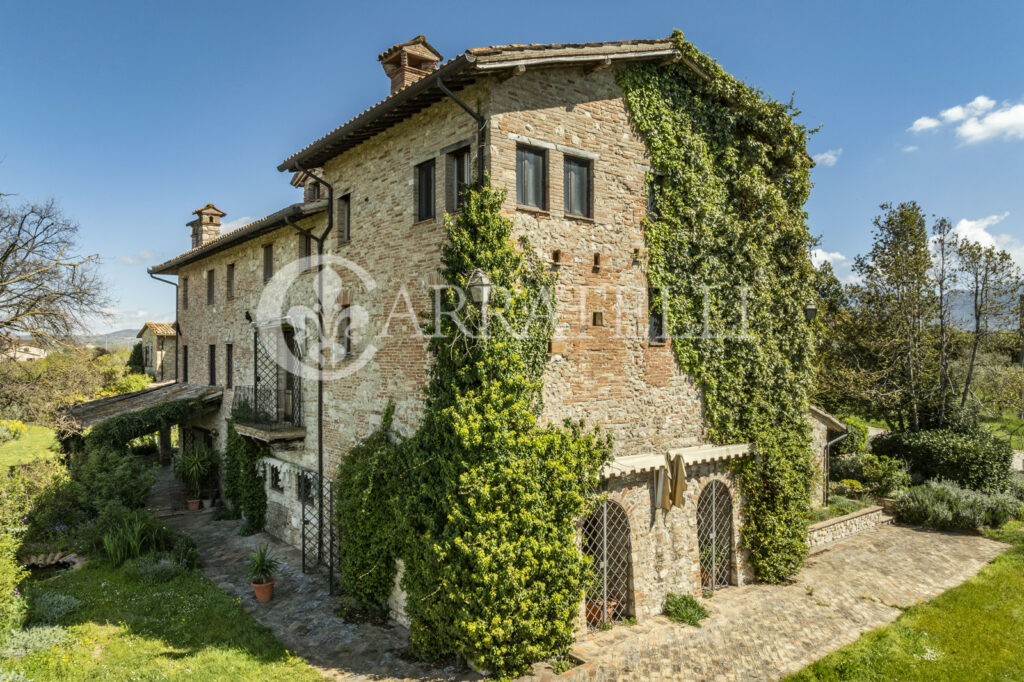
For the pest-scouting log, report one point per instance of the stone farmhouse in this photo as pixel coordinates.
(158, 354)
(548, 124)
(16, 349)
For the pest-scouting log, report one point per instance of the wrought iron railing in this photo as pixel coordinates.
(269, 407)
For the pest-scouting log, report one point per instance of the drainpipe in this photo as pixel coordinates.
(177, 329)
(320, 356)
(480, 123)
(828, 461)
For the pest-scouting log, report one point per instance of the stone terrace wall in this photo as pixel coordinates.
(831, 530)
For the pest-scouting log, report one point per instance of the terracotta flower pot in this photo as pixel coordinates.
(193, 505)
(208, 503)
(594, 612)
(264, 591)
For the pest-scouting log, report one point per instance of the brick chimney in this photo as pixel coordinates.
(206, 226)
(408, 62)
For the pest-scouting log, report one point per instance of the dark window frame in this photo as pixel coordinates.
(229, 282)
(655, 320)
(229, 365)
(345, 331)
(344, 218)
(268, 262)
(211, 294)
(587, 166)
(425, 207)
(184, 293)
(275, 479)
(459, 174)
(184, 364)
(524, 155)
(305, 244)
(213, 364)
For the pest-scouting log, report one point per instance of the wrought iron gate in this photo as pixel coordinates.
(606, 540)
(714, 536)
(319, 546)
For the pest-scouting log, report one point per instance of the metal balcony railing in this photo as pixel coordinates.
(269, 407)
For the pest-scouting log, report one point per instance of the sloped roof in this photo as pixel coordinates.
(253, 229)
(95, 411)
(459, 72)
(826, 418)
(158, 328)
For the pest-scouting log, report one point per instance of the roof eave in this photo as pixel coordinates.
(254, 229)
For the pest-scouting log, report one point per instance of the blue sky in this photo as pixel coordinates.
(132, 115)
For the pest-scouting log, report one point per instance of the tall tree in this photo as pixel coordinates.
(992, 282)
(47, 289)
(896, 303)
(944, 271)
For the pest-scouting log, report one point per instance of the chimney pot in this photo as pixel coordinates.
(206, 226)
(406, 63)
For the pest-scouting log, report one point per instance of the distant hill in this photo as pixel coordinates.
(118, 338)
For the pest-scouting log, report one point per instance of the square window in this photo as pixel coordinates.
(598, 319)
(458, 177)
(577, 183)
(531, 177)
(424, 179)
(275, 478)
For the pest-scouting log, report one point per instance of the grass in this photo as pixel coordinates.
(838, 506)
(1008, 427)
(971, 632)
(180, 630)
(38, 442)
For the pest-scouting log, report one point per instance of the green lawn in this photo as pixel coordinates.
(38, 442)
(971, 632)
(185, 629)
(1008, 427)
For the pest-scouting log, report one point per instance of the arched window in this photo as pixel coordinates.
(714, 536)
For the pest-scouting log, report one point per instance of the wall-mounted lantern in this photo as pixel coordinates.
(479, 285)
(810, 311)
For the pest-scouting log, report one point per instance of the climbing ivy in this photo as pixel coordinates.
(488, 498)
(729, 181)
(245, 480)
(118, 431)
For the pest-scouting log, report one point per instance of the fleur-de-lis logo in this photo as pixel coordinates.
(308, 296)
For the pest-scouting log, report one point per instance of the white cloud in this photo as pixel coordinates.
(140, 257)
(975, 107)
(979, 231)
(910, 148)
(828, 158)
(235, 224)
(924, 123)
(819, 256)
(1006, 122)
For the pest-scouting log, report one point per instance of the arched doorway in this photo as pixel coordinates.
(714, 536)
(606, 540)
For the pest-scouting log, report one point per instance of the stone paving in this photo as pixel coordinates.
(763, 632)
(755, 632)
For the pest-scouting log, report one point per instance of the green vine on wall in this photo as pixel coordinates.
(730, 178)
(245, 479)
(488, 499)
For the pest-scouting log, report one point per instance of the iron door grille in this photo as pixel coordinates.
(714, 536)
(606, 540)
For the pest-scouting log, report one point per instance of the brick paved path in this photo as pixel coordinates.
(763, 632)
(757, 632)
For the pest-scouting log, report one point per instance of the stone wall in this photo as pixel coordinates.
(664, 543)
(819, 439)
(832, 530)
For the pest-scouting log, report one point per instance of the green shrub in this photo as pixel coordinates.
(244, 480)
(838, 505)
(194, 468)
(153, 568)
(48, 608)
(368, 488)
(684, 608)
(11, 429)
(30, 640)
(107, 474)
(135, 359)
(1015, 485)
(883, 475)
(973, 458)
(128, 534)
(947, 506)
(184, 552)
(12, 602)
(846, 488)
(857, 437)
(144, 445)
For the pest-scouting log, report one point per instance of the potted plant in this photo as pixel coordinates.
(210, 482)
(191, 468)
(260, 570)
